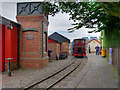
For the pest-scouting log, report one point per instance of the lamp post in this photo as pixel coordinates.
(9, 72)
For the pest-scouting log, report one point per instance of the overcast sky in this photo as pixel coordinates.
(59, 23)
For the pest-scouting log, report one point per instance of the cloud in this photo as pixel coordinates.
(59, 23)
(0, 8)
(9, 10)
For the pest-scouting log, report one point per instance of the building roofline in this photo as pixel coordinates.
(68, 40)
(54, 40)
(5, 21)
(92, 40)
(63, 36)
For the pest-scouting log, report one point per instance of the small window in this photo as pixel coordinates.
(45, 42)
(76, 41)
(82, 41)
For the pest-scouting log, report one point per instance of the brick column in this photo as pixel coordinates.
(32, 40)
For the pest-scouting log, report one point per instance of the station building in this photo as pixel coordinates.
(59, 44)
(93, 43)
(27, 42)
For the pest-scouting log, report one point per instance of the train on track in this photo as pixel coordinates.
(78, 48)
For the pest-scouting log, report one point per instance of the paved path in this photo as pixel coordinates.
(99, 75)
(96, 74)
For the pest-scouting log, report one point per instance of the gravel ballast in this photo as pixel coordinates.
(22, 77)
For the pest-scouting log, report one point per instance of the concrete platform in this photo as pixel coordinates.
(96, 74)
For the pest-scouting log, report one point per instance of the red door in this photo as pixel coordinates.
(8, 45)
(11, 43)
(2, 48)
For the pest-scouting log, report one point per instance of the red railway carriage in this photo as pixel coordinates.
(78, 47)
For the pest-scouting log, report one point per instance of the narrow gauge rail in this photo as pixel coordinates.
(51, 75)
(44, 82)
(73, 66)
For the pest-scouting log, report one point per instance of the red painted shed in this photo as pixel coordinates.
(9, 38)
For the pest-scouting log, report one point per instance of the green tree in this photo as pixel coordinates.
(112, 8)
(87, 14)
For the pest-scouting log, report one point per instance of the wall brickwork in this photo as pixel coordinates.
(58, 48)
(64, 47)
(55, 47)
(32, 42)
(13, 65)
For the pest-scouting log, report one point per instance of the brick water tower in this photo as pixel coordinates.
(33, 34)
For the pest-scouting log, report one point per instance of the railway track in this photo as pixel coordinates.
(51, 80)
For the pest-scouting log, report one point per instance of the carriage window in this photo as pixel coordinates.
(76, 41)
(82, 41)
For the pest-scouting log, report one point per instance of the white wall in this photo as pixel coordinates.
(93, 44)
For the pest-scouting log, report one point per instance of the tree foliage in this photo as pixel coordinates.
(112, 8)
(88, 14)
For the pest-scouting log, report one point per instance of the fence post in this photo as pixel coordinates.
(9, 72)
